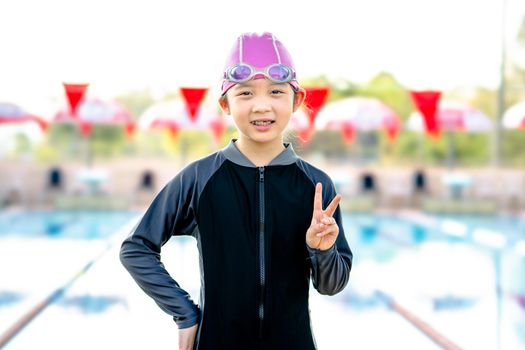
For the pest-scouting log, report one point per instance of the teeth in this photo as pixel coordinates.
(262, 122)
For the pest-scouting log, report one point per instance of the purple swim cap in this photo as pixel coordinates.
(258, 51)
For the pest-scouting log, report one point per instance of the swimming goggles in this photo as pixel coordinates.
(278, 73)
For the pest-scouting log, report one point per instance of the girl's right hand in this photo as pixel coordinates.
(187, 337)
(323, 230)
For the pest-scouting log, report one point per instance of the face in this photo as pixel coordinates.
(261, 109)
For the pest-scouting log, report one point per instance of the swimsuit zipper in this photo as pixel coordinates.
(261, 249)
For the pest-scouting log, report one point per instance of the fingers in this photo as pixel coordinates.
(330, 210)
(327, 226)
(318, 198)
(328, 220)
(318, 202)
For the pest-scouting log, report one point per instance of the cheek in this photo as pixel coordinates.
(237, 109)
(287, 106)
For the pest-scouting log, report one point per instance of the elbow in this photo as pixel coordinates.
(135, 256)
(329, 293)
(123, 256)
(336, 283)
(332, 289)
(126, 256)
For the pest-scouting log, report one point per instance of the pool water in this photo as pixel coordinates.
(462, 275)
(443, 270)
(41, 253)
(63, 224)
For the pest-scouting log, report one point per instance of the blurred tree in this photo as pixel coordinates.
(338, 89)
(45, 153)
(327, 143)
(520, 38)
(513, 141)
(472, 149)
(22, 145)
(136, 101)
(386, 88)
(512, 147)
(171, 95)
(64, 138)
(107, 141)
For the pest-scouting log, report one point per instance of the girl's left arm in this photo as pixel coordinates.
(331, 261)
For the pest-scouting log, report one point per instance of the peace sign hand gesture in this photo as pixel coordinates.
(323, 230)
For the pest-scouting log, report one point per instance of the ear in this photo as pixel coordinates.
(299, 97)
(223, 102)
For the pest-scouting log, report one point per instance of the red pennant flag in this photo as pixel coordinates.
(348, 131)
(193, 98)
(86, 129)
(391, 133)
(427, 102)
(130, 129)
(74, 93)
(314, 101)
(42, 124)
(218, 128)
(168, 124)
(305, 134)
(392, 129)
(174, 131)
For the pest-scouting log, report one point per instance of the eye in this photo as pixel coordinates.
(277, 91)
(244, 93)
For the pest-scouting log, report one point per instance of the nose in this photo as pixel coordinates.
(261, 105)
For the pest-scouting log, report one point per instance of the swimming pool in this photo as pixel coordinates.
(83, 225)
(42, 253)
(464, 276)
(453, 273)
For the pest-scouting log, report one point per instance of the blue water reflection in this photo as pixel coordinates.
(451, 271)
(91, 304)
(452, 302)
(63, 224)
(8, 298)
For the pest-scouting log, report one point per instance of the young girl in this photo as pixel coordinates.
(265, 220)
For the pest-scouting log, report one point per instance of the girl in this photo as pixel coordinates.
(265, 220)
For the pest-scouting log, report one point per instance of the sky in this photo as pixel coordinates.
(118, 46)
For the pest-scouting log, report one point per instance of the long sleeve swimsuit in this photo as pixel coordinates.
(250, 224)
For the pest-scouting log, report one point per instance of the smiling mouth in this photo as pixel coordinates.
(262, 122)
